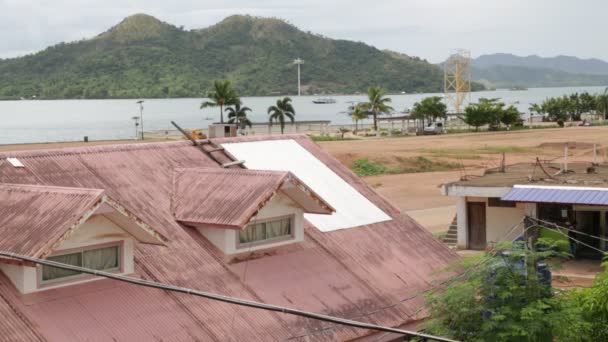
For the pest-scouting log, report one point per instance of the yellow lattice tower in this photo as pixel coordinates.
(457, 80)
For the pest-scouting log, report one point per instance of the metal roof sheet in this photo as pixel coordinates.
(33, 217)
(229, 198)
(560, 194)
(363, 270)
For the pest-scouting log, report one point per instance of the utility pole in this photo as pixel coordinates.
(136, 120)
(298, 61)
(141, 117)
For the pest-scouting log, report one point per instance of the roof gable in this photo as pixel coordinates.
(35, 219)
(229, 198)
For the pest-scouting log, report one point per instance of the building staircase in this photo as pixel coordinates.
(451, 238)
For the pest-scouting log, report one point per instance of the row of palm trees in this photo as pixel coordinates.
(224, 95)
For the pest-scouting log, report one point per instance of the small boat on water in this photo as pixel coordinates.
(518, 88)
(324, 100)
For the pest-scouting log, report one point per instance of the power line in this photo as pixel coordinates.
(223, 298)
(568, 229)
(433, 288)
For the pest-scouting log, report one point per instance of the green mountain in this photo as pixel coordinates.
(145, 57)
(507, 76)
(506, 70)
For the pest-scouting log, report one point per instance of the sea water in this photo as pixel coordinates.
(33, 121)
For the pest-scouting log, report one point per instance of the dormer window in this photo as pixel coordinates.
(244, 210)
(99, 258)
(267, 231)
(82, 227)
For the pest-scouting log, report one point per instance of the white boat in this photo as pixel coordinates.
(324, 100)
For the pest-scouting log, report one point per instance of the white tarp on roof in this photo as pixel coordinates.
(352, 208)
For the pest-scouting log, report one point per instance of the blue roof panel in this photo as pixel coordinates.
(561, 195)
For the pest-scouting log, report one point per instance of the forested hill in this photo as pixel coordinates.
(145, 57)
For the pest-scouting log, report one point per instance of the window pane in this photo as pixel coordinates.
(50, 273)
(265, 230)
(102, 258)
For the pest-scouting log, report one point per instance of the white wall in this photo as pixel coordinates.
(96, 230)
(499, 220)
(280, 205)
(462, 223)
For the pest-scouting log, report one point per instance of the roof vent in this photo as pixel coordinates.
(15, 162)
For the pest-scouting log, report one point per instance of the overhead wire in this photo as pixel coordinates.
(420, 293)
(223, 298)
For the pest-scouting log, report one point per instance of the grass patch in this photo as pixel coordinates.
(328, 138)
(503, 149)
(453, 153)
(364, 167)
(475, 153)
(440, 235)
(423, 164)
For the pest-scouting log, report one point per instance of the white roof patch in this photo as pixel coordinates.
(352, 208)
(15, 162)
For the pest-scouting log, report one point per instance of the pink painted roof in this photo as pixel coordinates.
(33, 218)
(353, 273)
(229, 198)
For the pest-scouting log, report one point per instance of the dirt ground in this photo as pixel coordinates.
(419, 195)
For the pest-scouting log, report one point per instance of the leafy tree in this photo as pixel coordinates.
(358, 114)
(378, 103)
(593, 302)
(283, 109)
(500, 296)
(238, 115)
(484, 112)
(223, 94)
(509, 116)
(601, 103)
(431, 108)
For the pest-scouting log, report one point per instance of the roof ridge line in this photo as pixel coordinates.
(79, 150)
(50, 188)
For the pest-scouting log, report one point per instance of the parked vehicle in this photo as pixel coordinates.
(434, 128)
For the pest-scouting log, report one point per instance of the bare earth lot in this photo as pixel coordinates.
(418, 194)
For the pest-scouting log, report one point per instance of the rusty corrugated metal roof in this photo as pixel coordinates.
(352, 273)
(33, 217)
(228, 198)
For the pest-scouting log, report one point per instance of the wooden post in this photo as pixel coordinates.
(594, 153)
(566, 158)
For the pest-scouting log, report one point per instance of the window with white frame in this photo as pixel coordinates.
(102, 259)
(268, 230)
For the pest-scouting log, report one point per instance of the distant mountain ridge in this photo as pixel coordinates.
(146, 57)
(569, 64)
(503, 70)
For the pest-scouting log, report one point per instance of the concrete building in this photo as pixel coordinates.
(490, 206)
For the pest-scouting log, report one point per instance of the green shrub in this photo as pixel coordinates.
(363, 167)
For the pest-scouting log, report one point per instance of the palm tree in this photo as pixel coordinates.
(602, 103)
(282, 109)
(223, 94)
(358, 114)
(238, 115)
(377, 103)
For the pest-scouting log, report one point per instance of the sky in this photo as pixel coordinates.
(430, 29)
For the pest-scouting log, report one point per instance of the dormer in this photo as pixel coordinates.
(80, 227)
(241, 210)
